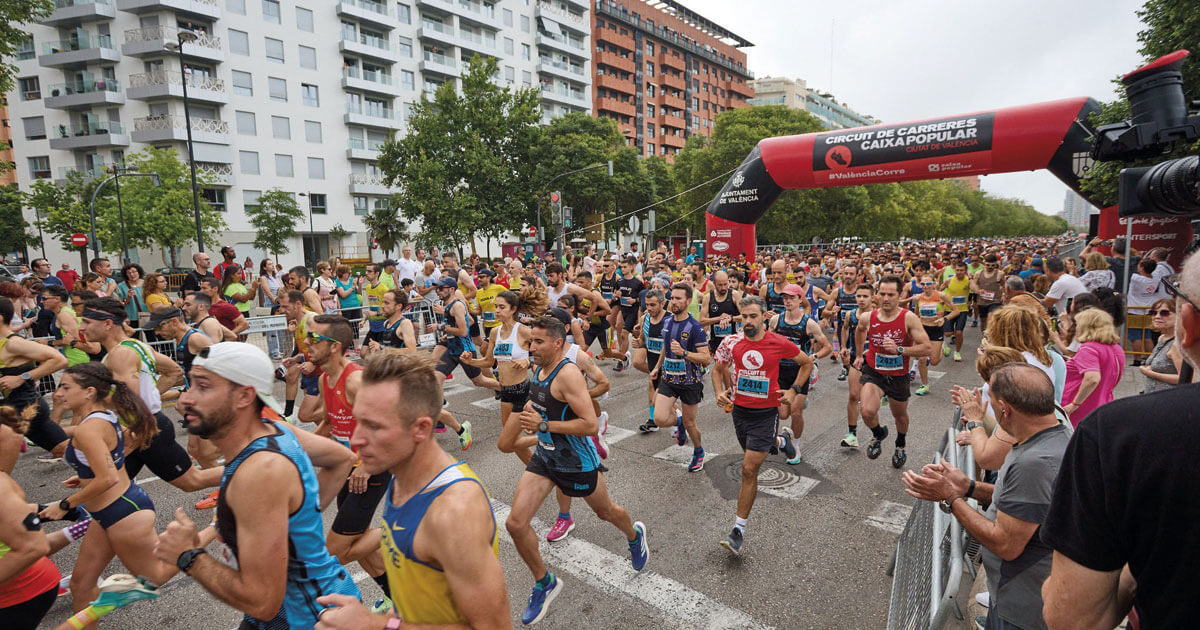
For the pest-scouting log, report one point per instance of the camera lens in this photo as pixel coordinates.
(1174, 185)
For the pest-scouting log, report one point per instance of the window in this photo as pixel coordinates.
(510, 74)
(526, 78)
(650, 90)
(650, 110)
(39, 167)
(304, 19)
(236, 6)
(360, 206)
(25, 49)
(248, 160)
(31, 88)
(649, 148)
(508, 17)
(308, 57)
(404, 13)
(317, 203)
(271, 13)
(245, 124)
(316, 168)
(243, 83)
(35, 128)
(524, 23)
(281, 128)
(526, 52)
(405, 48)
(283, 165)
(649, 130)
(309, 95)
(650, 48)
(278, 89)
(407, 80)
(250, 200)
(274, 50)
(239, 42)
(215, 197)
(649, 69)
(312, 131)
(508, 46)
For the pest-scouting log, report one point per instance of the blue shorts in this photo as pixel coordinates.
(311, 384)
(133, 499)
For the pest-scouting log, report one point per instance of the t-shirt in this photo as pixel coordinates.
(225, 313)
(1117, 265)
(1144, 292)
(1023, 490)
(486, 299)
(690, 334)
(406, 268)
(1065, 288)
(1125, 496)
(67, 277)
(231, 290)
(191, 282)
(423, 281)
(1093, 356)
(755, 367)
(374, 293)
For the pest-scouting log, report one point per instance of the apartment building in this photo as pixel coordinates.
(795, 94)
(664, 72)
(290, 94)
(8, 176)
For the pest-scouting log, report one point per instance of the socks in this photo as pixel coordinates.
(77, 530)
(878, 432)
(900, 439)
(566, 516)
(460, 429)
(382, 581)
(546, 580)
(739, 524)
(289, 406)
(853, 429)
(651, 413)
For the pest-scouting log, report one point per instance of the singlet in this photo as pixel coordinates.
(677, 370)
(509, 348)
(795, 333)
(388, 334)
(652, 336)
(486, 299)
(300, 334)
(877, 331)
(455, 344)
(558, 451)
(311, 570)
(929, 304)
(374, 293)
(628, 290)
(555, 295)
(75, 356)
(338, 410)
(607, 287)
(989, 288)
(958, 291)
(914, 288)
(184, 355)
(723, 307)
(79, 461)
(851, 326)
(421, 592)
(147, 374)
(774, 299)
(26, 392)
(846, 301)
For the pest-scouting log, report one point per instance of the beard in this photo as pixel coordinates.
(206, 425)
(750, 331)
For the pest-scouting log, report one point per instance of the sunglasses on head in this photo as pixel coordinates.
(1171, 284)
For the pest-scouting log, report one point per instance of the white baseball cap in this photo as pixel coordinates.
(242, 364)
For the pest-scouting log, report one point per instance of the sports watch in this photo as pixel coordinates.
(543, 427)
(187, 558)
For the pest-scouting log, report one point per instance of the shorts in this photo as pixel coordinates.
(476, 330)
(132, 500)
(986, 309)
(935, 332)
(894, 387)
(787, 378)
(629, 319)
(488, 330)
(517, 394)
(355, 511)
(756, 428)
(311, 383)
(572, 484)
(687, 394)
(164, 456)
(450, 360)
(594, 332)
(714, 343)
(958, 324)
(43, 431)
(28, 614)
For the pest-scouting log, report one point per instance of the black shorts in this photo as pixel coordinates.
(787, 378)
(629, 318)
(164, 456)
(43, 431)
(28, 614)
(935, 332)
(986, 309)
(894, 387)
(756, 428)
(687, 394)
(957, 324)
(594, 332)
(355, 511)
(450, 360)
(572, 484)
(714, 343)
(651, 361)
(517, 394)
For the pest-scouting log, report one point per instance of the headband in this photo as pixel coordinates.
(101, 315)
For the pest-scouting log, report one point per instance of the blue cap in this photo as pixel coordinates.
(446, 281)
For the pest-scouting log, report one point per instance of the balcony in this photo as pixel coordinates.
(153, 41)
(96, 172)
(574, 73)
(170, 128)
(215, 173)
(197, 8)
(672, 81)
(438, 32)
(578, 23)
(376, 14)
(373, 117)
(78, 52)
(562, 44)
(674, 102)
(624, 86)
(376, 48)
(439, 64)
(671, 140)
(363, 184)
(615, 38)
(89, 136)
(476, 42)
(616, 106)
(473, 11)
(159, 84)
(370, 81)
(85, 94)
(562, 96)
(614, 60)
(671, 121)
(359, 149)
(668, 60)
(69, 13)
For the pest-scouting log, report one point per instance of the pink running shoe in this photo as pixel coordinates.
(601, 446)
(562, 527)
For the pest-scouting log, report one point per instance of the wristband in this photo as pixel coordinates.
(187, 559)
(393, 623)
(970, 489)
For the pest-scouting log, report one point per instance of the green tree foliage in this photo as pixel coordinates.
(275, 219)
(463, 169)
(385, 226)
(63, 210)
(14, 229)
(14, 14)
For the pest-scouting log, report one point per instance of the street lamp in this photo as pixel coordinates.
(117, 172)
(185, 36)
(312, 237)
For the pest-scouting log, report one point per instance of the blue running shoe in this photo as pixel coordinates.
(539, 601)
(733, 542)
(639, 551)
(697, 461)
(680, 431)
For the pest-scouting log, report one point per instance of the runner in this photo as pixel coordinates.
(798, 327)
(772, 290)
(196, 306)
(484, 311)
(64, 326)
(863, 296)
(394, 329)
(747, 376)
(448, 353)
(649, 345)
(299, 279)
(508, 348)
(892, 334)
(299, 372)
(935, 309)
(440, 536)
(988, 284)
(719, 312)
(685, 353)
(958, 287)
(374, 290)
(560, 414)
(608, 284)
(22, 364)
(593, 309)
(842, 303)
(629, 288)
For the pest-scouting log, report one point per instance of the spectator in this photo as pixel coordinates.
(40, 268)
(67, 276)
(1145, 289)
(1072, 265)
(389, 274)
(347, 293)
(1121, 517)
(103, 268)
(1162, 366)
(1022, 329)
(326, 287)
(225, 313)
(155, 290)
(1064, 288)
(1064, 337)
(93, 282)
(269, 285)
(423, 283)
(1096, 368)
(21, 318)
(228, 255)
(23, 272)
(191, 282)
(407, 267)
(1016, 559)
(1113, 304)
(991, 444)
(235, 291)
(130, 291)
(1159, 256)
(1035, 268)
(1041, 284)
(1097, 272)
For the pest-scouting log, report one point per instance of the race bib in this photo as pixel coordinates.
(958, 300)
(987, 296)
(489, 316)
(503, 349)
(654, 344)
(722, 330)
(754, 386)
(928, 310)
(627, 301)
(888, 361)
(607, 295)
(674, 367)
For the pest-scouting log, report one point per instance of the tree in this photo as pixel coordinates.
(275, 219)
(63, 210)
(14, 14)
(14, 229)
(464, 168)
(385, 228)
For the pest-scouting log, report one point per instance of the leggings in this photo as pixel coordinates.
(28, 614)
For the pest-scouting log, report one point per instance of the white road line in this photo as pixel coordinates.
(616, 434)
(679, 605)
(681, 455)
(795, 491)
(490, 404)
(889, 516)
(935, 374)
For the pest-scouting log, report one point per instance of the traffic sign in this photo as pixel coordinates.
(533, 231)
(79, 239)
(634, 224)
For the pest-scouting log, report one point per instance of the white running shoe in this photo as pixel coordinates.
(603, 423)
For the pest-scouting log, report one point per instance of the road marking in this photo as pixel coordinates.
(612, 574)
(616, 434)
(936, 374)
(457, 388)
(889, 516)
(795, 491)
(680, 455)
(490, 404)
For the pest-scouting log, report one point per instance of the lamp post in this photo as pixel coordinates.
(312, 236)
(185, 36)
(117, 172)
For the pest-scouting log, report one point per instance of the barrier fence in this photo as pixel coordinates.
(932, 555)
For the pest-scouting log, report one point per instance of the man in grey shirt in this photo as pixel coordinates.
(1016, 559)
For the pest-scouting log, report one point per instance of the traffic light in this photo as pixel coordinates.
(567, 217)
(556, 207)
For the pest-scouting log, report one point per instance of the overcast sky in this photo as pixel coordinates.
(901, 60)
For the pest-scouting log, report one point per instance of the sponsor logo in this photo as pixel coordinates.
(1081, 163)
(838, 157)
(720, 246)
(752, 359)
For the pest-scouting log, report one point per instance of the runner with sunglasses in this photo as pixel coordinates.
(935, 309)
(988, 284)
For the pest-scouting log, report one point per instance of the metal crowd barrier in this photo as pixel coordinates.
(1138, 318)
(932, 555)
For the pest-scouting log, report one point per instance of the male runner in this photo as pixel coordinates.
(864, 295)
(988, 284)
(800, 328)
(629, 288)
(747, 376)
(894, 335)
(227, 314)
(649, 345)
(300, 373)
(374, 290)
(772, 291)
(843, 302)
(196, 305)
(300, 279)
(594, 311)
(685, 353)
(485, 309)
(560, 413)
(958, 287)
(395, 330)
(455, 335)
(719, 312)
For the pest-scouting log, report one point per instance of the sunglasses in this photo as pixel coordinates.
(313, 337)
(926, 284)
(1171, 284)
(1162, 312)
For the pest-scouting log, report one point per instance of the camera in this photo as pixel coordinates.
(1159, 120)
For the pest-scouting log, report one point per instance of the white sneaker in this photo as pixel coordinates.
(984, 599)
(603, 423)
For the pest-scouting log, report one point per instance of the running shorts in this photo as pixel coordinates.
(935, 332)
(687, 394)
(164, 456)
(354, 510)
(894, 387)
(572, 484)
(756, 428)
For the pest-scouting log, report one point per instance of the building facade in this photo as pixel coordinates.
(291, 94)
(664, 72)
(1077, 210)
(794, 93)
(7, 176)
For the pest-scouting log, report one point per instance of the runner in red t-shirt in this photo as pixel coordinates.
(747, 375)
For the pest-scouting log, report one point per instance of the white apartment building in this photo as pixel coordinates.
(290, 94)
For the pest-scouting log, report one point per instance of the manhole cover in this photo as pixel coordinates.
(771, 475)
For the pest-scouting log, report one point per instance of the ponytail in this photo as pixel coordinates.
(129, 407)
(17, 419)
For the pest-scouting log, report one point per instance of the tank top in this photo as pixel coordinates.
(420, 592)
(989, 288)
(39, 577)
(75, 356)
(147, 374)
(929, 304)
(26, 392)
(795, 333)
(455, 344)
(311, 571)
(718, 308)
(852, 325)
(79, 461)
(338, 409)
(914, 288)
(607, 287)
(509, 348)
(301, 332)
(774, 299)
(184, 355)
(391, 337)
(877, 331)
(652, 335)
(558, 451)
(556, 294)
(958, 291)
(846, 301)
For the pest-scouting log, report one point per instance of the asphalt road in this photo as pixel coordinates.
(817, 545)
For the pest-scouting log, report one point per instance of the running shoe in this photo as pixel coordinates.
(680, 431)
(876, 445)
(733, 541)
(382, 606)
(816, 374)
(788, 448)
(464, 438)
(539, 601)
(601, 445)
(64, 585)
(620, 366)
(850, 441)
(209, 501)
(912, 372)
(883, 399)
(946, 351)
(957, 356)
(293, 419)
(603, 419)
(697, 461)
(439, 428)
(121, 589)
(844, 374)
(639, 551)
(922, 390)
(648, 426)
(974, 323)
(898, 458)
(562, 527)
(49, 458)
